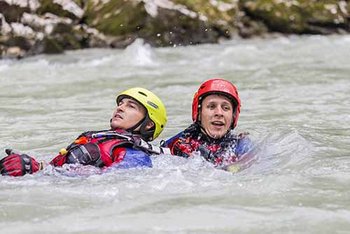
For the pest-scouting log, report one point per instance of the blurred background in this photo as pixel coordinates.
(53, 26)
(64, 62)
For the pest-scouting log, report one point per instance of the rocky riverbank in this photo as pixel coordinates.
(30, 27)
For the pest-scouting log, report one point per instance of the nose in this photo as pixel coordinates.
(121, 107)
(219, 111)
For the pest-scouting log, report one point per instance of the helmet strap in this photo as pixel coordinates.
(145, 134)
(132, 129)
(234, 115)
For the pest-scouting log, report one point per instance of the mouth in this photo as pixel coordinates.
(117, 116)
(218, 123)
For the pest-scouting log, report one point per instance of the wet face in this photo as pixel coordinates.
(127, 114)
(216, 115)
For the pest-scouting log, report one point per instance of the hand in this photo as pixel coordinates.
(150, 148)
(18, 164)
(206, 153)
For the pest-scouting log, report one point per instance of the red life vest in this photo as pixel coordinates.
(95, 148)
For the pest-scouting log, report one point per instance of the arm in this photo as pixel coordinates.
(179, 146)
(17, 164)
(150, 148)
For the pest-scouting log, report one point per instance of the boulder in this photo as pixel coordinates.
(300, 16)
(163, 23)
(52, 26)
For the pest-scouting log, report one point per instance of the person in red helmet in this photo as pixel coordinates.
(215, 111)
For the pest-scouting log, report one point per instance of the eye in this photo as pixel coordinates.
(226, 107)
(120, 103)
(211, 106)
(132, 105)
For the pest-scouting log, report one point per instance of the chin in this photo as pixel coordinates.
(216, 135)
(115, 125)
(219, 136)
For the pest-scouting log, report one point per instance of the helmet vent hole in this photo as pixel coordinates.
(142, 93)
(152, 104)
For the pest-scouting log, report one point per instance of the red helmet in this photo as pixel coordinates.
(217, 86)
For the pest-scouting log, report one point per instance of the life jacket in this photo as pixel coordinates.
(103, 148)
(223, 151)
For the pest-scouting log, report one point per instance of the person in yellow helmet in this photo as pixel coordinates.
(139, 117)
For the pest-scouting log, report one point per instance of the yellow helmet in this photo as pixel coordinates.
(156, 111)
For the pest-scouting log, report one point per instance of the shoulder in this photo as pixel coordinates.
(169, 142)
(190, 132)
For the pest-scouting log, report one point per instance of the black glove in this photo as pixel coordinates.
(206, 153)
(18, 164)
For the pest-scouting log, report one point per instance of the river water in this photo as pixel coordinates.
(295, 105)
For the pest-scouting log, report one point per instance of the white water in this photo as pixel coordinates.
(295, 104)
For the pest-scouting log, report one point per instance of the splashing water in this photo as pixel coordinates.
(294, 94)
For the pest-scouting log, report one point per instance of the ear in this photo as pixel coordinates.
(149, 125)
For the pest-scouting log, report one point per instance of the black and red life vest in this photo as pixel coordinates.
(97, 148)
(223, 151)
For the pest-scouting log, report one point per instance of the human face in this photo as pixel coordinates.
(216, 115)
(127, 114)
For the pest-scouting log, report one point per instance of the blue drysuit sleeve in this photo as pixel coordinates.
(244, 145)
(171, 140)
(134, 158)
